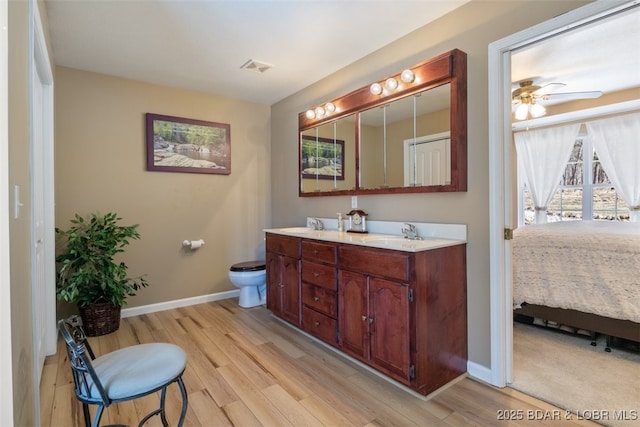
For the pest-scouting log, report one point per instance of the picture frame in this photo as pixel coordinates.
(176, 144)
(321, 158)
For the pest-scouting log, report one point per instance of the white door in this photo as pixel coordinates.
(42, 206)
(37, 224)
(428, 160)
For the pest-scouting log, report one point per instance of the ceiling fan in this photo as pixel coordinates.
(526, 98)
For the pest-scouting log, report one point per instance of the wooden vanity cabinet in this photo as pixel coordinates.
(405, 313)
(374, 311)
(283, 277)
(402, 313)
(319, 285)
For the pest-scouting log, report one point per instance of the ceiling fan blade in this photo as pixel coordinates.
(568, 96)
(548, 88)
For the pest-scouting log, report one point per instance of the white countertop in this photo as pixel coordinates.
(374, 240)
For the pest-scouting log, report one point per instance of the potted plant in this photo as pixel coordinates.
(88, 274)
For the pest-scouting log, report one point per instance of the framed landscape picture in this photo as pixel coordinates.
(175, 144)
(322, 158)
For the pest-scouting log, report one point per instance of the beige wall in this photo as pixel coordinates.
(101, 166)
(470, 28)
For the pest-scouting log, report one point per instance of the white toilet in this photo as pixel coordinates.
(250, 278)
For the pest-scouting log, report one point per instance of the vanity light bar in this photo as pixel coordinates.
(319, 112)
(391, 84)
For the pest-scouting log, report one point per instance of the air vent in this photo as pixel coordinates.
(257, 66)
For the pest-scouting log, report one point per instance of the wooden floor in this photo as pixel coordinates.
(246, 368)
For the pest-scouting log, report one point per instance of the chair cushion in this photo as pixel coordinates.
(138, 369)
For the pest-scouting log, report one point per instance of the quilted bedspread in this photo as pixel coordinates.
(590, 266)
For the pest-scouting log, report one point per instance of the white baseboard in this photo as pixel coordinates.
(152, 308)
(479, 372)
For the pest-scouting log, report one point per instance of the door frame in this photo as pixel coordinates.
(502, 167)
(6, 364)
(41, 132)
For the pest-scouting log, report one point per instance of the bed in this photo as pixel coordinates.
(583, 274)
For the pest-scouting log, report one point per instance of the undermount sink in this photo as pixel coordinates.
(297, 230)
(384, 239)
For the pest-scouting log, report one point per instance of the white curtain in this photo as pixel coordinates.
(617, 143)
(542, 157)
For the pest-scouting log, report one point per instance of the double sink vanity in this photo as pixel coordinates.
(394, 304)
(397, 305)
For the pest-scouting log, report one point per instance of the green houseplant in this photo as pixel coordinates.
(88, 274)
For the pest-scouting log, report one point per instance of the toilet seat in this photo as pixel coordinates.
(249, 266)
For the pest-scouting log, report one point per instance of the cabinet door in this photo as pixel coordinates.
(389, 310)
(353, 321)
(290, 289)
(274, 283)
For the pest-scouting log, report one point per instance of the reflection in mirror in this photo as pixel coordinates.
(326, 151)
(406, 143)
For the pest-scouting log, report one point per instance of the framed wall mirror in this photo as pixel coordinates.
(408, 135)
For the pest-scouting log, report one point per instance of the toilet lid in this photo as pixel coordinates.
(248, 266)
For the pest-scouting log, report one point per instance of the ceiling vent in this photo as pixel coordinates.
(257, 66)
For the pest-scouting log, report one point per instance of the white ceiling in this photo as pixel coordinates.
(201, 44)
(602, 56)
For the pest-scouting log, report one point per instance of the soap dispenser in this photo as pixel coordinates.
(340, 224)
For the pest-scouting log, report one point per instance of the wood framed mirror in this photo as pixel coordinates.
(408, 137)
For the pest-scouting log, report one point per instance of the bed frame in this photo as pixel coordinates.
(607, 326)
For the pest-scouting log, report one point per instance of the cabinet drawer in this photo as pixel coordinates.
(391, 264)
(320, 299)
(323, 327)
(319, 274)
(319, 251)
(283, 245)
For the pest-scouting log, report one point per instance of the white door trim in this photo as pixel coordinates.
(45, 71)
(501, 159)
(6, 364)
(42, 206)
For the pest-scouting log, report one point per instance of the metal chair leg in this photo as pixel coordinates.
(96, 420)
(183, 412)
(87, 415)
(163, 413)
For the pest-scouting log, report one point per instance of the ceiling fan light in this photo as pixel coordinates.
(521, 111)
(537, 110)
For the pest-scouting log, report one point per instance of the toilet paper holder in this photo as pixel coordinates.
(193, 244)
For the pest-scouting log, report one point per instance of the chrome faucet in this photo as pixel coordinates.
(316, 224)
(410, 232)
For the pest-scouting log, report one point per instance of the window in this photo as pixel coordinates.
(585, 191)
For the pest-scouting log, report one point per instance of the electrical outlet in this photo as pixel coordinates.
(354, 202)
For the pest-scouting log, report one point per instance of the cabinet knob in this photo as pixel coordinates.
(370, 319)
(316, 299)
(316, 275)
(315, 252)
(316, 323)
(364, 318)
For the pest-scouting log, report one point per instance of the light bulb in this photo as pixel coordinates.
(537, 110)
(330, 107)
(391, 83)
(376, 89)
(310, 114)
(319, 112)
(407, 76)
(522, 111)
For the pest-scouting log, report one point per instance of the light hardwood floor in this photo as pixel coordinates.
(246, 368)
